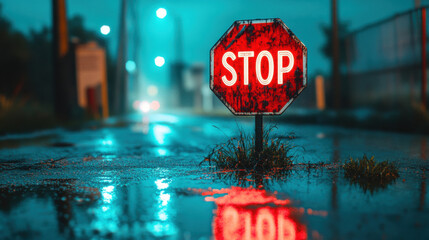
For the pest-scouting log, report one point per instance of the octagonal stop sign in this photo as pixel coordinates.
(258, 67)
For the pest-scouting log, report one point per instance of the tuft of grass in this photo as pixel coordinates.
(369, 174)
(238, 157)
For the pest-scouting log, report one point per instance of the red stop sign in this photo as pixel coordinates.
(258, 67)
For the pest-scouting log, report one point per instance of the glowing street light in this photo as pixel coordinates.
(159, 61)
(145, 106)
(105, 29)
(161, 13)
(154, 105)
(130, 65)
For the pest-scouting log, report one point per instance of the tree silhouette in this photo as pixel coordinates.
(13, 58)
(326, 49)
(26, 61)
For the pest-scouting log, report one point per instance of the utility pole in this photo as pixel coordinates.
(335, 58)
(65, 99)
(424, 61)
(136, 84)
(178, 39)
(120, 95)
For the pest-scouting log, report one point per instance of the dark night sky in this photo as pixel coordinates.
(204, 21)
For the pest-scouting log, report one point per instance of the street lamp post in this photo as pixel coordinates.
(135, 81)
(120, 85)
(177, 67)
(161, 13)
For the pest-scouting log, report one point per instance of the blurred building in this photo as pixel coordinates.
(91, 79)
(177, 85)
(190, 88)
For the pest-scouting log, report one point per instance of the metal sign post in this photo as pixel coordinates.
(259, 133)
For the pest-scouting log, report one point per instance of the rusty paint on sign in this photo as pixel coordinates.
(267, 42)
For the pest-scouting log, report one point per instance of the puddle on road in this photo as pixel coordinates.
(309, 204)
(131, 212)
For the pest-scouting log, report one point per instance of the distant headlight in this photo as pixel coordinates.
(155, 105)
(145, 106)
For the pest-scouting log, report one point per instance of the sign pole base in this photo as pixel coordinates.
(259, 129)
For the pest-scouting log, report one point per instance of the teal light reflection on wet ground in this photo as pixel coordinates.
(160, 133)
(106, 215)
(162, 151)
(163, 225)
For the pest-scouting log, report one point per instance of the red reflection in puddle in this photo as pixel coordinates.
(248, 213)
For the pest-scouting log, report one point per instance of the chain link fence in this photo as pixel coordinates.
(384, 62)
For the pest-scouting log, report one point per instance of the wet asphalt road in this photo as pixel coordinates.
(142, 179)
